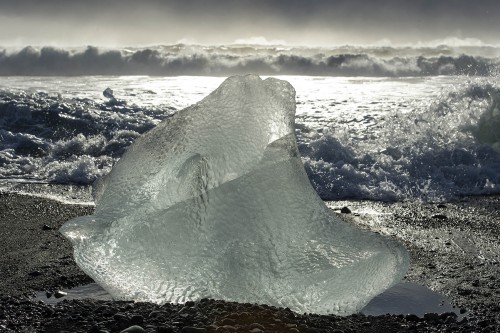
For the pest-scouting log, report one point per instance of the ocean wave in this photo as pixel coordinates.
(180, 59)
(450, 149)
(433, 153)
(66, 140)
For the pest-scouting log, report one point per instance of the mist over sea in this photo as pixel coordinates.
(382, 123)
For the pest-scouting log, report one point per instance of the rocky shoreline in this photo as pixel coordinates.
(454, 249)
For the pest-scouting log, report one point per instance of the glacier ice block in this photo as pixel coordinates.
(214, 202)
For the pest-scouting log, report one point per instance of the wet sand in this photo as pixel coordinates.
(454, 249)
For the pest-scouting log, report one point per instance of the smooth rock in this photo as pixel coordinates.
(134, 329)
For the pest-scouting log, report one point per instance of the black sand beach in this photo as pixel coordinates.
(454, 249)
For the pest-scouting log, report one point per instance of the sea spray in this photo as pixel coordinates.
(374, 138)
(435, 153)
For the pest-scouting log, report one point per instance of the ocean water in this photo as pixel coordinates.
(388, 124)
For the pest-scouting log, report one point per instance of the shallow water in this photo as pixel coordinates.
(409, 298)
(403, 298)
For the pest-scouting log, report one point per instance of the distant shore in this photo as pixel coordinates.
(454, 249)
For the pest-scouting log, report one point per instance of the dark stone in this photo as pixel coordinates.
(431, 317)
(164, 329)
(154, 314)
(48, 312)
(439, 216)
(46, 227)
(121, 318)
(257, 325)
(35, 273)
(412, 318)
(134, 329)
(229, 328)
(464, 292)
(345, 210)
(228, 321)
(445, 315)
(137, 319)
(190, 329)
(256, 330)
(94, 329)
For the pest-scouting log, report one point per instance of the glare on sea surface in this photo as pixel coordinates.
(371, 121)
(357, 104)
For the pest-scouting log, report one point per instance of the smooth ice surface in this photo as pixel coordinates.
(214, 202)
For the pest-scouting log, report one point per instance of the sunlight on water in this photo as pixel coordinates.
(382, 138)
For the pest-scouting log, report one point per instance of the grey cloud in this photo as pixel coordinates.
(166, 21)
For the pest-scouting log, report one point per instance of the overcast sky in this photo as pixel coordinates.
(303, 22)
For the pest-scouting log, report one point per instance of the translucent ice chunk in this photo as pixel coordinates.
(214, 202)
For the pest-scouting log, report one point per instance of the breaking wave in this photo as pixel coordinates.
(67, 140)
(182, 59)
(436, 154)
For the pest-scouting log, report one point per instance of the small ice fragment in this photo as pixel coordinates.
(108, 93)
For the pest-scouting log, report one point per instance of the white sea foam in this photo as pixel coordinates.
(446, 149)
(432, 138)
